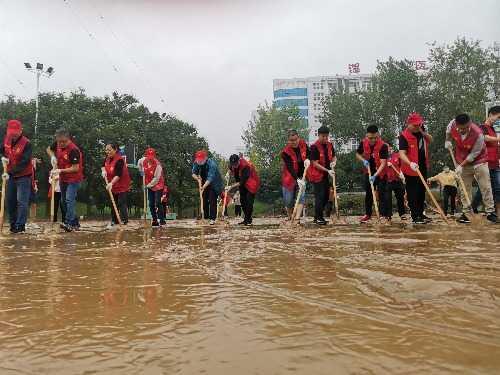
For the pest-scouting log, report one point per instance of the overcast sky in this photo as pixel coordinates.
(213, 61)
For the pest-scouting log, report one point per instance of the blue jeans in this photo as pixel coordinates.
(155, 206)
(18, 198)
(68, 197)
(495, 188)
(289, 196)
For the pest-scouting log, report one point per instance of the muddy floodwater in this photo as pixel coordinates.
(267, 299)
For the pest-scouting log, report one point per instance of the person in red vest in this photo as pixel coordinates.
(115, 171)
(323, 161)
(68, 158)
(155, 182)
(293, 156)
(414, 155)
(16, 153)
(471, 155)
(395, 180)
(248, 183)
(373, 152)
(491, 131)
(165, 196)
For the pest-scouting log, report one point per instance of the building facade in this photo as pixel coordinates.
(308, 95)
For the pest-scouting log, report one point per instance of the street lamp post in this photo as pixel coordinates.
(38, 71)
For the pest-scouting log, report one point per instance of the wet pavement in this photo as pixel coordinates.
(267, 299)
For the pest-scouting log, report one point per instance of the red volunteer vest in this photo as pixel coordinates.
(123, 183)
(493, 148)
(463, 147)
(368, 154)
(149, 166)
(15, 153)
(287, 179)
(253, 182)
(63, 162)
(314, 174)
(390, 174)
(412, 152)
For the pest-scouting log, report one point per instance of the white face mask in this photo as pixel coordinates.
(446, 170)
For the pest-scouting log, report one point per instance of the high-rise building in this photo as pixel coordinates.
(308, 94)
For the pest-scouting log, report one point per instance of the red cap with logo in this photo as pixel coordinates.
(415, 118)
(14, 127)
(150, 153)
(200, 156)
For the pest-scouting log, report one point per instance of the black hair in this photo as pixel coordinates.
(234, 159)
(372, 129)
(495, 110)
(292, 133)
(324, 130)
(115, 146)
(462, 119)
(63, 133)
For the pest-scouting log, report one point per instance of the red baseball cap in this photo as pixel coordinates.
(200, 156)
(150, 153)
(415, 118)
(14, 127)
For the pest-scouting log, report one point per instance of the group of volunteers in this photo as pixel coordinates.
(246, 185)
(474, 150)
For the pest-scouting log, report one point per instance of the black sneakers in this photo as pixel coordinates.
(15, 230)
(419, 220)
(426, 218)
(321, 221)
(464, 219)
(492, 217)
(66, 227)
(155, 224)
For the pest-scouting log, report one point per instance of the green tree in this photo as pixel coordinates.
(120, 118)
(462, 77)
(264, 139)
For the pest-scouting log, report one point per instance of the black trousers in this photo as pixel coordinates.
(449, 194)
(247, 199)
(416, 195)
(398, 189)
(237, 210)
(210, 203)
(321, 196)
(58, 204)
(121, 204)
(380, 188)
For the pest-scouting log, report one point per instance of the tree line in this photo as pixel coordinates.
(461, 77)
(117, 118)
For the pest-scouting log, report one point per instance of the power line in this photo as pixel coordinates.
(127, 48)
(91, 36)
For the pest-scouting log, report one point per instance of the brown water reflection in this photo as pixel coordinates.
(261, 300)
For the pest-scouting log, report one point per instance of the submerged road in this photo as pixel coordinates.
(267, 299)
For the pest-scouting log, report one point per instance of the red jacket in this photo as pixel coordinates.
(492, 147)
(287, 179)
(412, 152)
(463, 147)
(390, 174)
(123, 183)
(253, 182)
(314, 174)
(149, 166)
(368, 154)
(63, 162)
(15, 154)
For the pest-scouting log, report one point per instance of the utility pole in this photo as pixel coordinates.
(39, 72)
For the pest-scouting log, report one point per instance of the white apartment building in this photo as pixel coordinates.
(308, 94)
